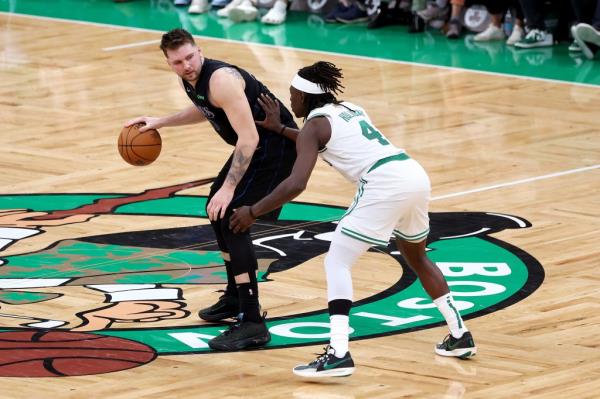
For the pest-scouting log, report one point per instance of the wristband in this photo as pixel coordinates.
(282, 129)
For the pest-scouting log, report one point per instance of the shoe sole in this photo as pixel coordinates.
(242, 344)
(489, 39)
(198, 11)
(341, 372)
(582, 33)
(461, 353)
(272, 22)
(533, 45)
(352, 21)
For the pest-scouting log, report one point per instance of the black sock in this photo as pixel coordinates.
(339, 306)
(248, 294)
(243, 263)
(231, 289)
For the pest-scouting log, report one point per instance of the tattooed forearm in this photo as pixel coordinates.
(234, 72)
(241, 159)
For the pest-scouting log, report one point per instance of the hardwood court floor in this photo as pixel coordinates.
(63, 101)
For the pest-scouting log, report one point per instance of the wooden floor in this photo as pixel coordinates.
(63, 101)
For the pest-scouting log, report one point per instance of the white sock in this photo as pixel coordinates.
(339, 334)
(448, 309)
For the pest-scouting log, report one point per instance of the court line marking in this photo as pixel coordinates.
(515, 182)
(518, 221)
(360, 57)
(131, 45)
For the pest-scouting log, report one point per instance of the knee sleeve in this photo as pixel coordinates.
(343, 253)
(241, 249)
(216, 226)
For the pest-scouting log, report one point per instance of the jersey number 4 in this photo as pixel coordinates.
(371, 133)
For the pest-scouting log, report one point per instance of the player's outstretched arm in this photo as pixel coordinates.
(187, 116)
(314, 135)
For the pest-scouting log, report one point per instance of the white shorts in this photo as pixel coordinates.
(391, 199)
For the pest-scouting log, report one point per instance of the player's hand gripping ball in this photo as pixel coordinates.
(139, 148)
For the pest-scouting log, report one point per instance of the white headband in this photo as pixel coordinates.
(306, 85)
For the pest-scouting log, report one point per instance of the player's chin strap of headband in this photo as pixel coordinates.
(306, 85)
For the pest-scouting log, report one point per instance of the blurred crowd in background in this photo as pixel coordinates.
(520, 23)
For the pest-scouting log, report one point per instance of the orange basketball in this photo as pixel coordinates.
(138, 148)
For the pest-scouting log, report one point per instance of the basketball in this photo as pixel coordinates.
(64, 353)
(139, 148)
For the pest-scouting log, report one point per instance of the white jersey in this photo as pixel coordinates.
(355, 145)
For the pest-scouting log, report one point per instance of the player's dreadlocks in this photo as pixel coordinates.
(326, 75)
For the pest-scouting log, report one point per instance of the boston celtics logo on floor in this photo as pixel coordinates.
(142, 277)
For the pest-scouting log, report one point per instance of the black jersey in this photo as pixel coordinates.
(275, 154)
(216, 116)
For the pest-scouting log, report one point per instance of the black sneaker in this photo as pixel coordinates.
(463, 347)
(332, 16)
(241, 335)
(354, 14)
(417, 24)
(382, 18)
(327, 365)
(226, 307)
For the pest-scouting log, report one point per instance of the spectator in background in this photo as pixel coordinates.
(455, 23)
(246, 10)
(439, 10)
(239, 11)
(494, 31)
(385, 15)
(537, 33)
(199, 6)
(347, 12)
(435, 10)
(277, 14)
(585, 35)
(417, 24)
(400, 13)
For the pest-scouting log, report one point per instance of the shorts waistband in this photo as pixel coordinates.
(398, 157)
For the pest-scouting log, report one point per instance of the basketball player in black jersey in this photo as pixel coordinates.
(227, 96)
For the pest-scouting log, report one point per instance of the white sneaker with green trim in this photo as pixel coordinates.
(327, 365)
(536, 38)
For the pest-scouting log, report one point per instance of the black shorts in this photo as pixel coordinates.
(271, 164)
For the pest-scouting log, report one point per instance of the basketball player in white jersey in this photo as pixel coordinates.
(392, 200)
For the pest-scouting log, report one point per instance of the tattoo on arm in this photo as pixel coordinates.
(239, 164)
(234, 72)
